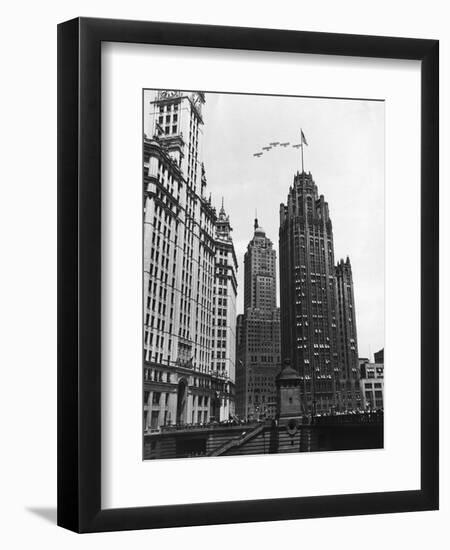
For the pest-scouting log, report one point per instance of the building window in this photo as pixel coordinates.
(156, 398)
(155, 419)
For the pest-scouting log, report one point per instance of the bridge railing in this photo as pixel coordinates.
(204, 426)
(373, 417)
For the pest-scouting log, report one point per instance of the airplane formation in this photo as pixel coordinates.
(275, 144)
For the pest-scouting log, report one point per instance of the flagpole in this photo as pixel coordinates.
(301, 141)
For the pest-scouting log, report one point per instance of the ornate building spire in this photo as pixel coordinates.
(223, 224)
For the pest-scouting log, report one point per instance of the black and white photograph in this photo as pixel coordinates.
(224, 282)
(263, 283)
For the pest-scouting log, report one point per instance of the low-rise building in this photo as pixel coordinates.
(372, 385)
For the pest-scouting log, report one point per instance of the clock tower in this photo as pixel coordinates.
(178, 125)
(189, 271)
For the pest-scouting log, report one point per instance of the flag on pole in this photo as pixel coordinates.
(303, 138)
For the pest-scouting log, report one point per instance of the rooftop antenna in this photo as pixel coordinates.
(256, 219)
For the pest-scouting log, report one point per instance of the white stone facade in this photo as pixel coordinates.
(180, 265)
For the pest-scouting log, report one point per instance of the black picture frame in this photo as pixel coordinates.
(79, 274)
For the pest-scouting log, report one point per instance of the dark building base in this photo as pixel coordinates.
(338, 433)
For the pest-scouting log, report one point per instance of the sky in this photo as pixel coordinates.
(345, 155)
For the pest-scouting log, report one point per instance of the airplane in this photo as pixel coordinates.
(267, 148)
(257, 154)
(297, 145)
(274, 143)
(284, 144)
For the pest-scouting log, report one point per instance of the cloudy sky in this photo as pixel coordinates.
(346, 158)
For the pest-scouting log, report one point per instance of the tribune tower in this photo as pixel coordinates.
(308, 294)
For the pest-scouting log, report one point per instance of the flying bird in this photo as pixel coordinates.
(257, 154)
(274, 143)
(284, 144)
(267, 148)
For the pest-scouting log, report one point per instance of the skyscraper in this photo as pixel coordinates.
(260, 272)
(308, 294)
(348, 389)
(379, 356)
(223, 353)
(258, 339)
(183, 242)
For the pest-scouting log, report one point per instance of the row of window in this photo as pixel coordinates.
(168, 107)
